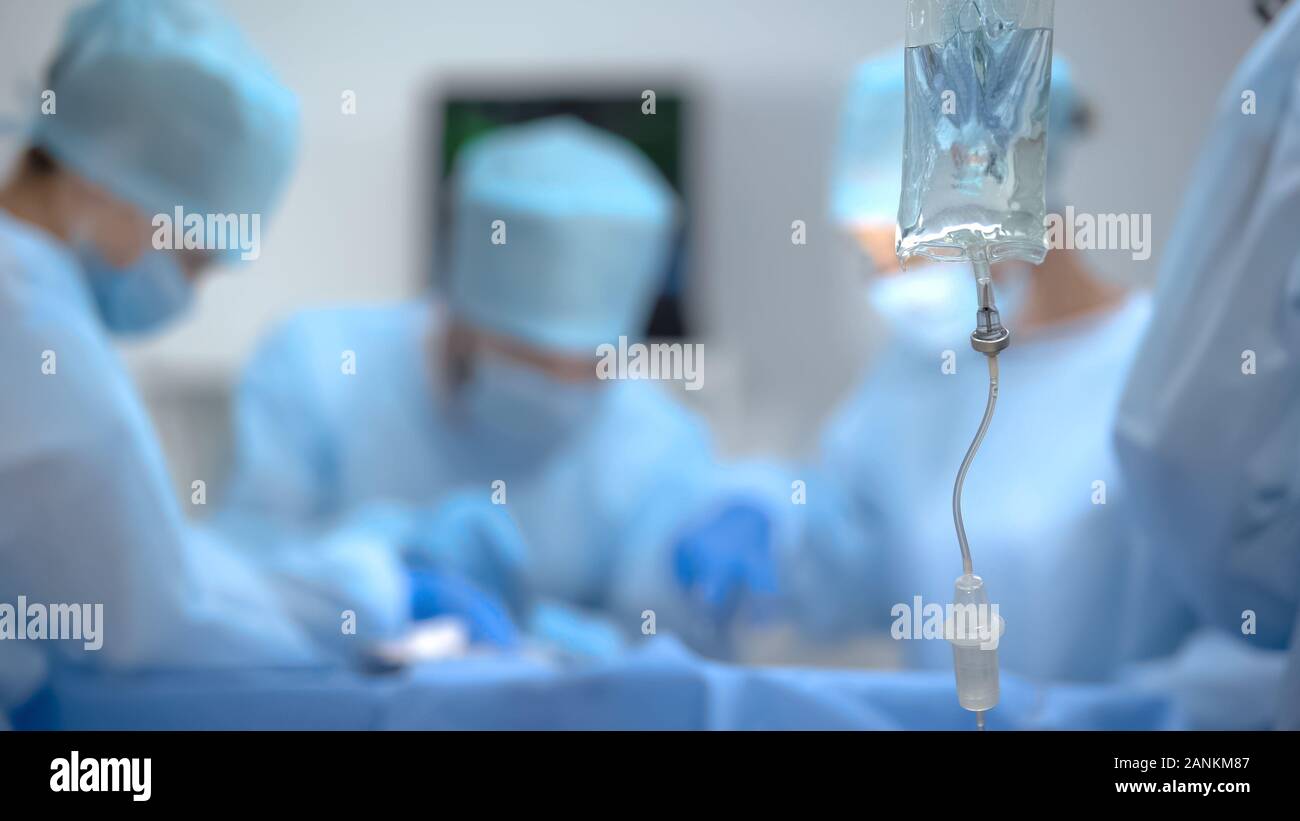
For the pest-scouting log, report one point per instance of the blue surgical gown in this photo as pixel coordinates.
(1044, 507)
(344, 411)
(90, 517)
(1209, 428)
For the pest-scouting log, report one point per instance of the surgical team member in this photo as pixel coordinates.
(1209, 426)
(490, 400)
(157, 106)
(1043, 506)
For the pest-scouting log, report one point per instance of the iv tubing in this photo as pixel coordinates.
(966, 565)
(984, 286)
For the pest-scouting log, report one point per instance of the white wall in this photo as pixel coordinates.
(769, 74)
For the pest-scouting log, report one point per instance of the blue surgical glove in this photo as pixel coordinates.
(435, 594)
(474, 539)
(726, 561)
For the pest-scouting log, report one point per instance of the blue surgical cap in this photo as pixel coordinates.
(867, 178)
(588, 225)
(163, 104)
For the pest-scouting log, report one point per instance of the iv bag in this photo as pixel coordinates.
(978, 73)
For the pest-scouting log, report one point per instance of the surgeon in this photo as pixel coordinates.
(1210, 421)
(488, 399)
(155, 107)
(1043, 505)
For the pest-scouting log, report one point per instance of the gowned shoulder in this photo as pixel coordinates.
(64, 384)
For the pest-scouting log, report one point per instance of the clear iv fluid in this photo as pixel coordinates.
(976, 151)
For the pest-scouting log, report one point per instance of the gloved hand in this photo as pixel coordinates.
(435, 594)
(468, 536)
(726, 561)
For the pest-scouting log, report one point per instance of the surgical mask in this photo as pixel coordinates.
(140, 298)
(933, 307)
(524, 405)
